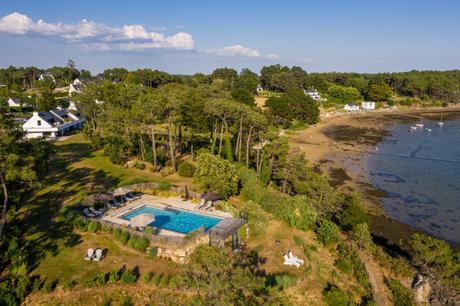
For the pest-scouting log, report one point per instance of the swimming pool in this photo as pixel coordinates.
(175, 219)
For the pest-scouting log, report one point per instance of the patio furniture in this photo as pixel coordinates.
(295, 258)
(98, 255)
(88, 214)
(202, 203)
(89, 254)
(132, 196)
(290, 262)
(95, 211)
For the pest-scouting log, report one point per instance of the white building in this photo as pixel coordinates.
(351, 107)
(75, 88)
(259, 89)
(368, 105)
(72, 106)
(14, 102)
(313, 93)
(52, 124)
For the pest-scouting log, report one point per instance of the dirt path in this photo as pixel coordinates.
(379, 289)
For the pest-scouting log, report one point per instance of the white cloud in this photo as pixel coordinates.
(272, 56)
(96, 36)
(236, 50)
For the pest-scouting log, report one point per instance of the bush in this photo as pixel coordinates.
(257, 218)
(37, 284)
(362, 235)
(126, 301)
(350, 263)
(352, 213)
(334, 296)
(139, 165)
(114, 276)
(286, 280)
(22, 287)
(124, 237)
(157, 279)
(343, 265)
(164, 186)
(49, 285)
(186, 169)
(117, 233)
(141, 244)
(147, 277)
(328, 232)
(153, 251)
(165, 280)
(100, 279)
(128, 277)
(94, 226)
(70, 284)
(298, 241)
(298, 213)
(149, 230)
(401, 296)
(132, 241)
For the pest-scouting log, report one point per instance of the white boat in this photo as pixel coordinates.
(412, 129)
(428, 130)
(440, 123)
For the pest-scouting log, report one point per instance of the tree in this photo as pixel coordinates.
(343, 95)
(16, 165)
(362, 236)
(244, 96)
(380, 92)
(352, 214)
(294, 104)
(216, 174)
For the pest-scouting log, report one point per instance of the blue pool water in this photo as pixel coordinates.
(174, 219)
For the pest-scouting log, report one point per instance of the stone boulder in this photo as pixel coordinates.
(422, 292)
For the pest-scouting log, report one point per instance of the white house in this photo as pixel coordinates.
(72, 106)
(259, 89)
(51, 124)
(368, 105)
(14, 102)
(75, 88)
(351, 107)
(313, 93)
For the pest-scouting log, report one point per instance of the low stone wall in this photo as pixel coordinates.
(182, 255)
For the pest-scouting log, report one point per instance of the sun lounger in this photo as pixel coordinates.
(202, 203)
(132, 196)
(98, 255)
(208, 206)
(290, 262)
(89, 214)
(89, 254)
(95, 211)
(295, 258)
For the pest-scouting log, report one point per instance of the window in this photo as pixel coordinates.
(39, 122)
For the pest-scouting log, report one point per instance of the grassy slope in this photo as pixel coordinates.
(79, 171)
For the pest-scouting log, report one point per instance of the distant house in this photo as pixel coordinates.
(368, 105)
(259, 89)
(72, 106)
(75, 88)
(52, 124)
(14, 102)
(313, 93)
(351, 107)
(46, 75)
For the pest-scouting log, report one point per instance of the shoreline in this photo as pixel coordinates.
(339, 147)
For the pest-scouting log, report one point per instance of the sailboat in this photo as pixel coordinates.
(440, 123)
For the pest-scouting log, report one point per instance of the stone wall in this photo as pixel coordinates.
(181, 255)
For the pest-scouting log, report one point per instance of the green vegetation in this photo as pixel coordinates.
(400, 294)
(328, 232)
(186, 169)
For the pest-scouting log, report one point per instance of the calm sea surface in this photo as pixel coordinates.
(420, 173)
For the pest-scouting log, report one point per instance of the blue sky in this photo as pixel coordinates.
(198, 36)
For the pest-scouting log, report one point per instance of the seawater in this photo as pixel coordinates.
(420, 174)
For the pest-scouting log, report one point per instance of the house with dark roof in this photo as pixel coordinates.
(53, 123)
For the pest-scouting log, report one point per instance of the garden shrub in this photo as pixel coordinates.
(22, 287)
(70, 284)
(149, 230)
(252, 188)
(298, 213)
(352, 213)
(49, 285)
(165, 280)
(286, 280)
(117, 233)
(164, 186)
(350, 263)
(141, 244)
(147, 277)
(126, 300)
(334, 296)
(114, 276)
(128, 277)
(139, 165)
(132, 241)
(257, 218)
(328, 233)
(153, 251)
(173, 282)
(157, 279)
(100, 279)
(186, 169)
(343, 265)
(362, 235)
(94, 226)
(124, 237)
(37, 284)
(401, 295)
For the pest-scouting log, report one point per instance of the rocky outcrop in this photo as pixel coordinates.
(422, 292)
(181, 255)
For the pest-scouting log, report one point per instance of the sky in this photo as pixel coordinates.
(186, 37)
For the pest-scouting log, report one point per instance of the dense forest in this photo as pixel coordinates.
(208, 127)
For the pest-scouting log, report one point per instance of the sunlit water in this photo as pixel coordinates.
(420, 173)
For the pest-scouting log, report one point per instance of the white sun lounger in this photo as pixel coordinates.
(95, 211)
(98, 255)
(202, 203)
(89, 254)
(290, 262)
(295, 258)
(89, 214)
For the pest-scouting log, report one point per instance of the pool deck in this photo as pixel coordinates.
(114, 215)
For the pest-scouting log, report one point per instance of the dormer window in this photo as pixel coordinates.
(39, 122)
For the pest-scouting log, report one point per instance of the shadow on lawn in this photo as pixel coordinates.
(45, 230)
